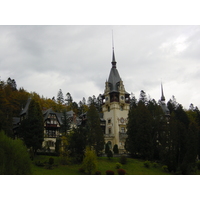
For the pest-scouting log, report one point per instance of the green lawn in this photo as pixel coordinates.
(132, 167)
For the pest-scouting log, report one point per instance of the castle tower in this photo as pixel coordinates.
(115, 108)
(162, 103)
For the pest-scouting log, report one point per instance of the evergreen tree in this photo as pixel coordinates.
(172, 104)
(12, 83)
(60, 98)
(189, 160)
(107, 148)
(95, 136)
(143, 97)
(32, 128)
(133, 100)
(77, 143)
(65, 126)
(139, 131)
(69, 99)
(115, 149)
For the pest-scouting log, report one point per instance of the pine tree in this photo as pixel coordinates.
(139, 131)
(60, 98)
(65, 126)
(69, 99)
(32, 128)
(95, 136)
(77, 143)
(143, 97)
(189, 160)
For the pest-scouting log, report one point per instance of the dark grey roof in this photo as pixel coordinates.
(59, 115)
(25, 110)
(16, 120)
(114, 77)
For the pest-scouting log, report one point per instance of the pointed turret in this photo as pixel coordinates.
(162, 102)
(162, 93)
(113, 60)
(114, 77)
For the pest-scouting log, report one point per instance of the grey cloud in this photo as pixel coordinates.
(71, 57)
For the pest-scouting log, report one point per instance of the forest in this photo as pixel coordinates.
(174, 141)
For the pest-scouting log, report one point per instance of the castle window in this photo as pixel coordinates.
(123, 129)
(108, 108)
(121, 108)
(109, 130)
(109, 121)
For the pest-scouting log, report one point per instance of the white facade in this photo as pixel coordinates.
(115, 109)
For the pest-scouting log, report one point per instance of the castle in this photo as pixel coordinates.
(115, 109)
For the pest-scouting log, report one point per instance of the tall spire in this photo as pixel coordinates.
(113, 60)
(113, 56)
(162, 93)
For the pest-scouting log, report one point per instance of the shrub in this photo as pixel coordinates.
(51, 161)
(115, 149)
(109, 154)
(39, 164)
(147, 164)
(123, 160)
(97, 173)
(110, 172)
(118, 165)
(165, 168)
(90, 161)
(155, 165)
(121, 171)
(14, 157)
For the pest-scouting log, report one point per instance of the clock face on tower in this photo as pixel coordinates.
(122, 120)
(122, 97)
(106, 98)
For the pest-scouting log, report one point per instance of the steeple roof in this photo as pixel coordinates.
(113, 60)
(162, 93)
(114, 77)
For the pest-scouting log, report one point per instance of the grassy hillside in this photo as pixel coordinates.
(132, 167)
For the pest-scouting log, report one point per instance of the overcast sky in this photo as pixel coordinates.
(77, 59)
